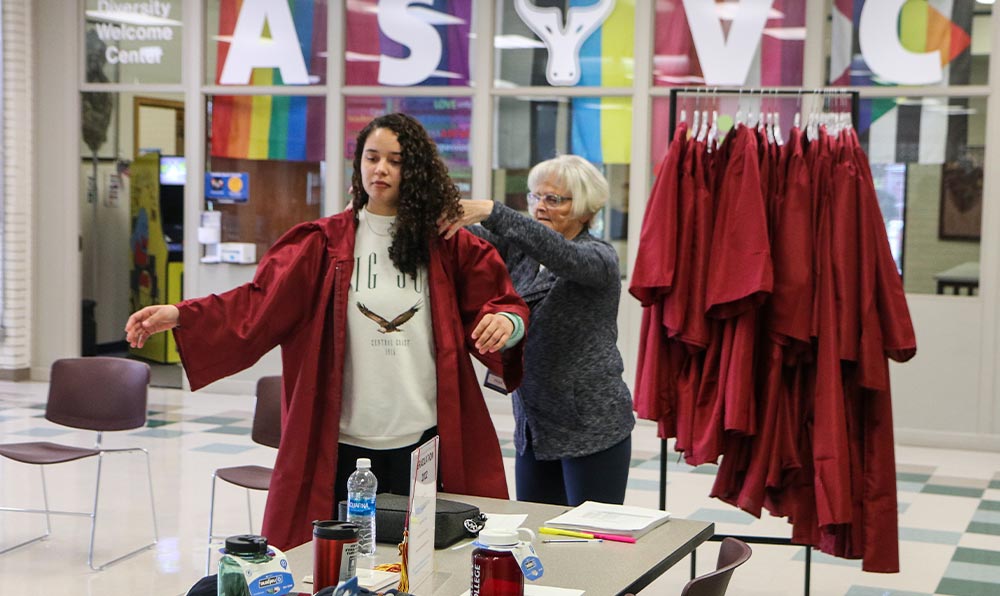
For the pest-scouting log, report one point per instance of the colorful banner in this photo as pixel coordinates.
(448, 122)
(777, 43)
(272, 127)
(602, 128)
(922, 26)
(426, 43)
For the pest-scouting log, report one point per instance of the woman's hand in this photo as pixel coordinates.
(473, 212)
(152, 319)
(492, 332)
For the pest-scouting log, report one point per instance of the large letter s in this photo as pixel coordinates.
(418, 35)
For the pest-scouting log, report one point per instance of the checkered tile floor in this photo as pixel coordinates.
(949, 508)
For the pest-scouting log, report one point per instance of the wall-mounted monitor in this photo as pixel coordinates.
(172, 170)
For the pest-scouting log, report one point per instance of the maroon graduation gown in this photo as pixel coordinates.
(298, 300)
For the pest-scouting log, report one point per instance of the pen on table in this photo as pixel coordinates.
(615, 538)
(572, 540)
(561, 532)
(574, 534)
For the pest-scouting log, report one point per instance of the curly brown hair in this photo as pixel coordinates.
(426, 192)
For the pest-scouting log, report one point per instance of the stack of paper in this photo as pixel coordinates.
(375, 580)
(623, 520)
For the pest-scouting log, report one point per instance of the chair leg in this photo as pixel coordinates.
(211, 521)
(93, 522)
(249, 511)
(93, 514)
(48, 523)
(45, 500)
(152, 503)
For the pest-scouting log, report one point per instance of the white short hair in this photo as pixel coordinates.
(581, 179)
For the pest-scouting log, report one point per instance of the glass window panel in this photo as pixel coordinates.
(292, 36)
(775, 58)
(959, 32)
(126, 46)
(927, 160)
(447, 120)
(595, 128)
(278, 143)
(605, 58)
(404, 52)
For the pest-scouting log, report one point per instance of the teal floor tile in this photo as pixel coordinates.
(986, 516)
(156, 423)
(974, 572)
(954, 491)
(961, 587)
(977, 555)
(909, 487)
(216, 420)
(224, 448)
(929, 536)
(159, 433)
(871, 591)
(983, 528)
(912, 477)
(230, 430)
(995, 483)
(990, 505)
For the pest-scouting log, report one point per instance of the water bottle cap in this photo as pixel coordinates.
(364, 463)
(246, 545)
(502, 538)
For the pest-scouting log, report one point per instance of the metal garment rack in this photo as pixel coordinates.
(766, 93)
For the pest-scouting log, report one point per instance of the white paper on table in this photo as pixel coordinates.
(591, 516)
(532, 590)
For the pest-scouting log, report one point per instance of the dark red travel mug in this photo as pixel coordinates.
(335, 553)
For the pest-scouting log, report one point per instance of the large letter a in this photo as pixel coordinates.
(249, 51)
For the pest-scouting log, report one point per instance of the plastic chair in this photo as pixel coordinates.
(266, 431)
(732, 554)
(99, 394)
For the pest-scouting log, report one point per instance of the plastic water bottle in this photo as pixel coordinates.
(361, 488)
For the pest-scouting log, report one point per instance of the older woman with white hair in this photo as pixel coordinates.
(573, 412)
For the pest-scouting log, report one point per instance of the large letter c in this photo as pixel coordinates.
(878, 36)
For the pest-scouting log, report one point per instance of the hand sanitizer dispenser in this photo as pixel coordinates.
(210, 234)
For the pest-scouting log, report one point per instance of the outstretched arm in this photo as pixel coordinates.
(149, 321)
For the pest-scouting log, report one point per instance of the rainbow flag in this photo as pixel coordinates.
(602, 127)
(265, 126)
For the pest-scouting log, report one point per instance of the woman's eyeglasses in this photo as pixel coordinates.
(551, 200)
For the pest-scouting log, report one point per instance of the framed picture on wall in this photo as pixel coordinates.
(961, 211)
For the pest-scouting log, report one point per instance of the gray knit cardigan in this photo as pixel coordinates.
(572, 398)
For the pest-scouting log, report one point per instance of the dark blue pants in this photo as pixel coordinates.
(601, 476)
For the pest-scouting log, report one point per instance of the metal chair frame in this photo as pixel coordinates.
(261, 437)
(99, 451)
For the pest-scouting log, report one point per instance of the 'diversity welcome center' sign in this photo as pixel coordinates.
(146, 23)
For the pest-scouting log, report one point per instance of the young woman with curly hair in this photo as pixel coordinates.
(376, 316)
